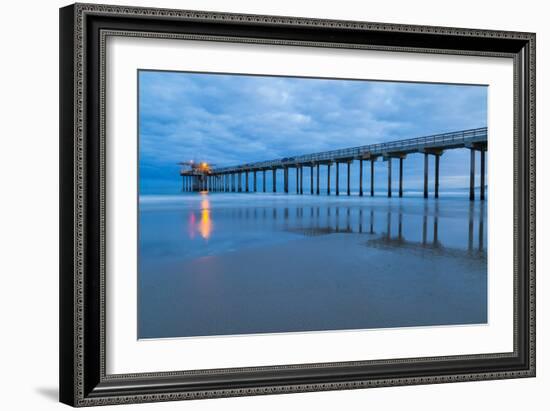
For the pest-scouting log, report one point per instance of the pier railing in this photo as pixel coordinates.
(442, 141)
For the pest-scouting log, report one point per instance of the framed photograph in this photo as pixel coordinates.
(261, 204)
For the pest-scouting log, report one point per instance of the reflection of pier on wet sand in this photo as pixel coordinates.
(315, 221)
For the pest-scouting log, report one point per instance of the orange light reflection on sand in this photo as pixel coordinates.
(202, 225)
(205, 223)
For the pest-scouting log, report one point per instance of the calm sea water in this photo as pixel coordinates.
(236, 263)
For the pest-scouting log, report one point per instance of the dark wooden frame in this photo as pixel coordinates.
(83, 29)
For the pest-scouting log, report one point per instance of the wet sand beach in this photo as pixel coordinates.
(226, 264)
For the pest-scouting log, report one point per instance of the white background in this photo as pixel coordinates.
(29, 206)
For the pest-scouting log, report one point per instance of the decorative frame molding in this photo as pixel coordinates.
(83, 32)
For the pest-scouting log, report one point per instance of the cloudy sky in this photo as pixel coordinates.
(233, 119)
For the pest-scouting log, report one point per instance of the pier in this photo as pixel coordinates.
(229, 179)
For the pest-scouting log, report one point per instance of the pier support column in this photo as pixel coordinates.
(425, 175)
(472, 173)
(240, 183)
(349, 178)
(311, 179)
(183, 183)
(389, 176)
(436, 188)
(246, 181)
(401, 177)
(285, 179)
(274, 180)
(482, 175)
(255, 185)
(361, 177)
(288, 180)
(337, 178)
(301, 179)
(297, 181)
(328, 179)
(263, 177)
(318, 173)
(372, 178)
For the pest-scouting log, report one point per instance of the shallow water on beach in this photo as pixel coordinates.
(236, 263)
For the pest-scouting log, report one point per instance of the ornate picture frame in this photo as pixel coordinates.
(84, 29)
